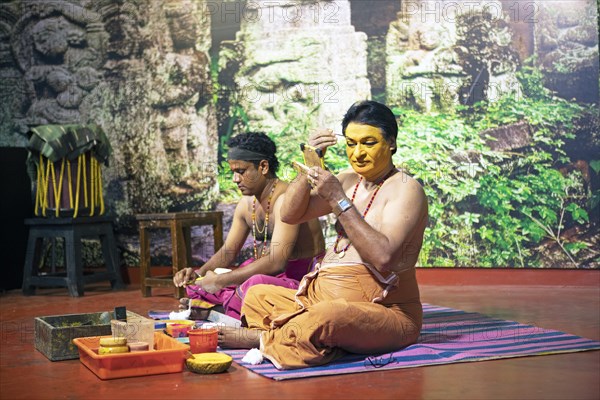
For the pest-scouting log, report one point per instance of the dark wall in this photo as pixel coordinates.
(15, 205)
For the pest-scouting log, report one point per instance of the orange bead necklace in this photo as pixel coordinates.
(342, 233)
(265, 227)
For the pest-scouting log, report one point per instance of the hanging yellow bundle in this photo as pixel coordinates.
(85, 145)
(47, 175)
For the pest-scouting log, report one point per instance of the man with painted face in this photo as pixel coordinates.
(363, 297)
(283, 253)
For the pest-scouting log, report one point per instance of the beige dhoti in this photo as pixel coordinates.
(337, 309)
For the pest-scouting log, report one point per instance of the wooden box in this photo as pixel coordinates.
(54, 334)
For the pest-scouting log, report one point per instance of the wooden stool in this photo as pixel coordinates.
(72, 230)
(180, 224)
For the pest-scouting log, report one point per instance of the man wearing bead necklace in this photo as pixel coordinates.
(363, 297)
(283, 253)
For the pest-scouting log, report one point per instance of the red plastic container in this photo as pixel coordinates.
(168, 357)
(203, 340)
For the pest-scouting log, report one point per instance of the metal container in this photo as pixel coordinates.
(54, 334)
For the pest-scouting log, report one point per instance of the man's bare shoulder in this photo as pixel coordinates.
(244, 207)
(283, 185)
(279, 201)
(347, 177)
(404, 184)
(405, 178)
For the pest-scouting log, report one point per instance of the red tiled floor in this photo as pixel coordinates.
(26, 373)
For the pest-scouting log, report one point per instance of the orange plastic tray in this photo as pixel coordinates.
(169, 357)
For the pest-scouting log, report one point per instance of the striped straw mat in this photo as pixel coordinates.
(448, 336)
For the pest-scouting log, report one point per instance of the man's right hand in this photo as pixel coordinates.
(184, 276)
(322, 138)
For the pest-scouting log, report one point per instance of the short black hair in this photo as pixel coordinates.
(258, 142)
(368, 112)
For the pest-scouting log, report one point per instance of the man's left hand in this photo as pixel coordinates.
(210, 282)
(325, 184)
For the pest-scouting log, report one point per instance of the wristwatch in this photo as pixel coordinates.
(341, 206)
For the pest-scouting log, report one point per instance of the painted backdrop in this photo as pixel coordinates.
(497, 102)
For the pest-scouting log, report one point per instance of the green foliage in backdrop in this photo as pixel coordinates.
(487, 208)
(492, 208)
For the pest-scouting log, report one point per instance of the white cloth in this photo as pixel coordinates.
(253, 356)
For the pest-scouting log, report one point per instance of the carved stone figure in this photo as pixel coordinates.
(140, 70)
(286, 73)
(567, 47)
(442, 53)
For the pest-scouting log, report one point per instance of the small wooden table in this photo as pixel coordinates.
(72, 230)
(180, 224)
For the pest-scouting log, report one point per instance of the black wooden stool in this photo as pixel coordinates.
(72, 230)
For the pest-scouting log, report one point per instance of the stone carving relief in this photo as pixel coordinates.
(441, 53)
(184, 86)
(567, 47)
(59, 68)
(137, 68)
(294, 64)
